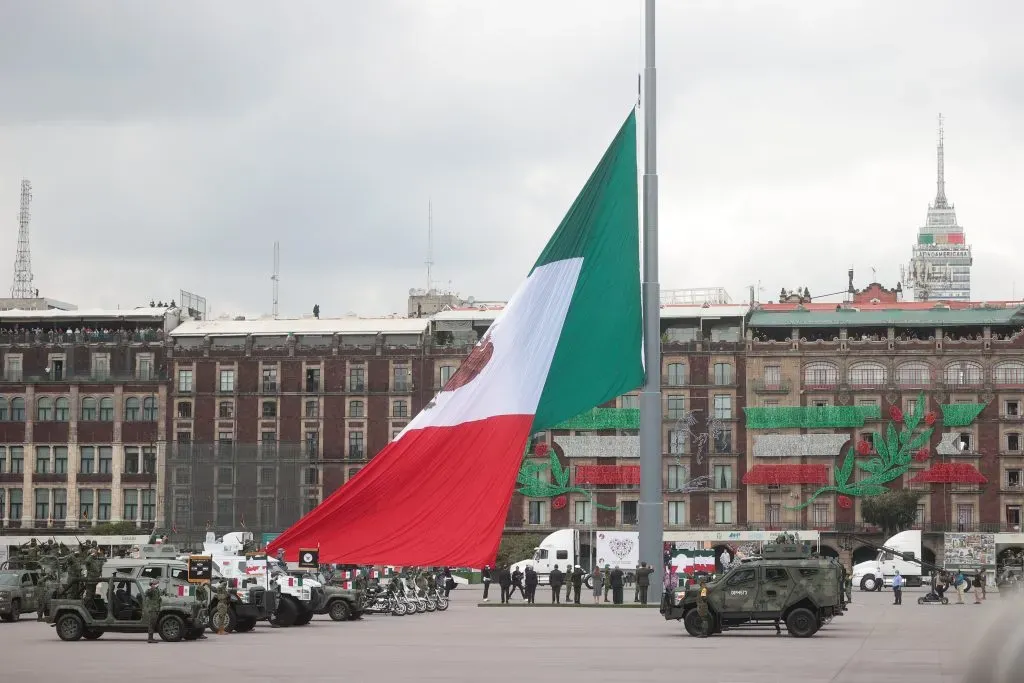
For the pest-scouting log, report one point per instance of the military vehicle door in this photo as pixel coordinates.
(125, 600)
(774, 590)
(739, 592)
(28, 592)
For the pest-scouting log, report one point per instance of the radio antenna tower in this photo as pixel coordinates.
(430, 243)
(276, 277)
(22, 286)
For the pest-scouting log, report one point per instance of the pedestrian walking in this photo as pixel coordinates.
(897, 588)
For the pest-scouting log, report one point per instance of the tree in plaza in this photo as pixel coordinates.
(892, 511)
(516, 546)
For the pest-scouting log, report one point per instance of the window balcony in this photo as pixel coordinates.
(765, 387)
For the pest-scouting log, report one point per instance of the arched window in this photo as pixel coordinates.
(44, 410)
(17, 409)
(4, 414)
(106, 409)
(149, 409)
(821, 375)
(1010, 372)
(131, 409)
(676, 374)
(963, 372)
(913, 374)
(61, 410)
(867, 374)
(88, 409)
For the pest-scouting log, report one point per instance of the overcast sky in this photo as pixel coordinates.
(171, 143)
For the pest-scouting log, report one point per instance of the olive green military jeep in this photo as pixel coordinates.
(787, 584)
(88, 608)
(18, 592)
(340, 604)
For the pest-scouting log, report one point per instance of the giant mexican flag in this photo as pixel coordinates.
(568, 340)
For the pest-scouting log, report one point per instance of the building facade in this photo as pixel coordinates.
(83, 406)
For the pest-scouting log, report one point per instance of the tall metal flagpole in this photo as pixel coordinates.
(650, 509)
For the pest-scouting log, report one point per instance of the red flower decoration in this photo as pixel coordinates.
(541, 449)
(863, 448)
(929, 418)
(845, 502)
(559, 502)
(922, 454)
(896, 414)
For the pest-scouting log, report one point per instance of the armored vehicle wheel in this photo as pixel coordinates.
(171, 628)
(693, 623)
(802, 623)
(15, 612)
(287, 611)
(70, 627)
(304, 618)
(92, 634)
(339, 610)
(245, 625)
(920, 601)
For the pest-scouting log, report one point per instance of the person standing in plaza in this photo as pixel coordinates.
(598, 578)
(617, 583)
(555, 579)
(568, 583)
(636, 584)
(960, 584)
(897, 588)
(607, 581)
(485, 574)
(702, 610)
(505, 584)
(151, 602)
(531, 585)
(517, 584)
(577, 584)
(643, 581)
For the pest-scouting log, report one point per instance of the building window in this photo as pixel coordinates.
(723, 440)
(867, 374)
(723, 512)
(101, 366)
(227, 381)
(538, 512)
(356, 409)
(400, 408)
(312, 444)
(722, 477)
(1010, 372)
(12, 371)
(1013, 479)
(17, 459)
(312, 409)
(16, 502)
(226, 410)
(965, 517)
(270, 409)
(144, 366)
(1013, 442)
(148, 505)
(772, 375)
(44, 410)
(4, 415)
(185, 410)
(676, 512)
(17, 410)
(723, 374)
(106, 409)
(87, 459)
(629, 402)
(676, 407)
(106, 459)
(821, 375)
(270, 379)
(965, 442)
(85, 503)
(913, 374)
(131, 505)
(61, 410)
(355, 445)
(103, 506)
(676, 374)
(677, 441)
(1011, 408)
(60, 459)
(629, 512)
(42, 505)
(445, 373)
(583, 512)
(963, 373)
(820, 516)
(148, 460)
(772, 514)
(267, 476)
(132, 411)
(723, 406)
(88, 409)
(185, 381)
(676, 477)
(919, 515)
(149, 409)
(357, 378)
(1013, 516)
(42, 460)
(225, 438)
(131, 460)
(312, 379)
(402, 377)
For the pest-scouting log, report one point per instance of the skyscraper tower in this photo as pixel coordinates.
(940, 264)
(21, 288)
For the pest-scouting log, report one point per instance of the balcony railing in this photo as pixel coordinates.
(771, 387)
(90, 378)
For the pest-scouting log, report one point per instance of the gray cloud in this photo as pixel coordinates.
(171, 145)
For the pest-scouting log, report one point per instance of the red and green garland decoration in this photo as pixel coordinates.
(533, 484)
(892, 460)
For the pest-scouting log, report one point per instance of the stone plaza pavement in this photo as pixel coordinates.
(874, 642)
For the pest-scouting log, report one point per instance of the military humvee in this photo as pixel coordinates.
(87, 608)
(18, 591)
(786, 584)
(341, 604)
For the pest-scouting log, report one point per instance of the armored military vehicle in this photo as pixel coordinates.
(88, 608)
(18, 592)
(340, 604)
(787, 584)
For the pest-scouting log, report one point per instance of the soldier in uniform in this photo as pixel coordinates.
(203, 598)
(421, 584)
(431, 581)
(702, 610)
(151, 608)
(221, 614)
(93, 565)
(43, 596)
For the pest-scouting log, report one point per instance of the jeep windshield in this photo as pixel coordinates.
(10, 579)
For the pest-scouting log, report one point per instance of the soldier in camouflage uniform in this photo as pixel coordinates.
(93, 564)
(203, 598)
(151, 608)
(702, 610)
(221, 618)
(359, 582)
(43, 596)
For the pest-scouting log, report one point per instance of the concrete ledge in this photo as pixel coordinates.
(628, 605)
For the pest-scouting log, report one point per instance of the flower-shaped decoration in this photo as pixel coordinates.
(922, 454)
(541, 449)
(929, 418)
(845, 502)
(863, 448)
(559, 502)
(895, 414)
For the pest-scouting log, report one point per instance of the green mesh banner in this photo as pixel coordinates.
(604, 418)
(810, 417)
(961, 414)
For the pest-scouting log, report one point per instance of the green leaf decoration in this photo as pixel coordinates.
(912, 421)
(893, 442)
(846, 469)
(920, 440)
(881, 447)
(872, 490)
(961, 414)
(559, 473)
(874, 466)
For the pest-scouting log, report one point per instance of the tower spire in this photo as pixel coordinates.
(22, 285)
(940, 194)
